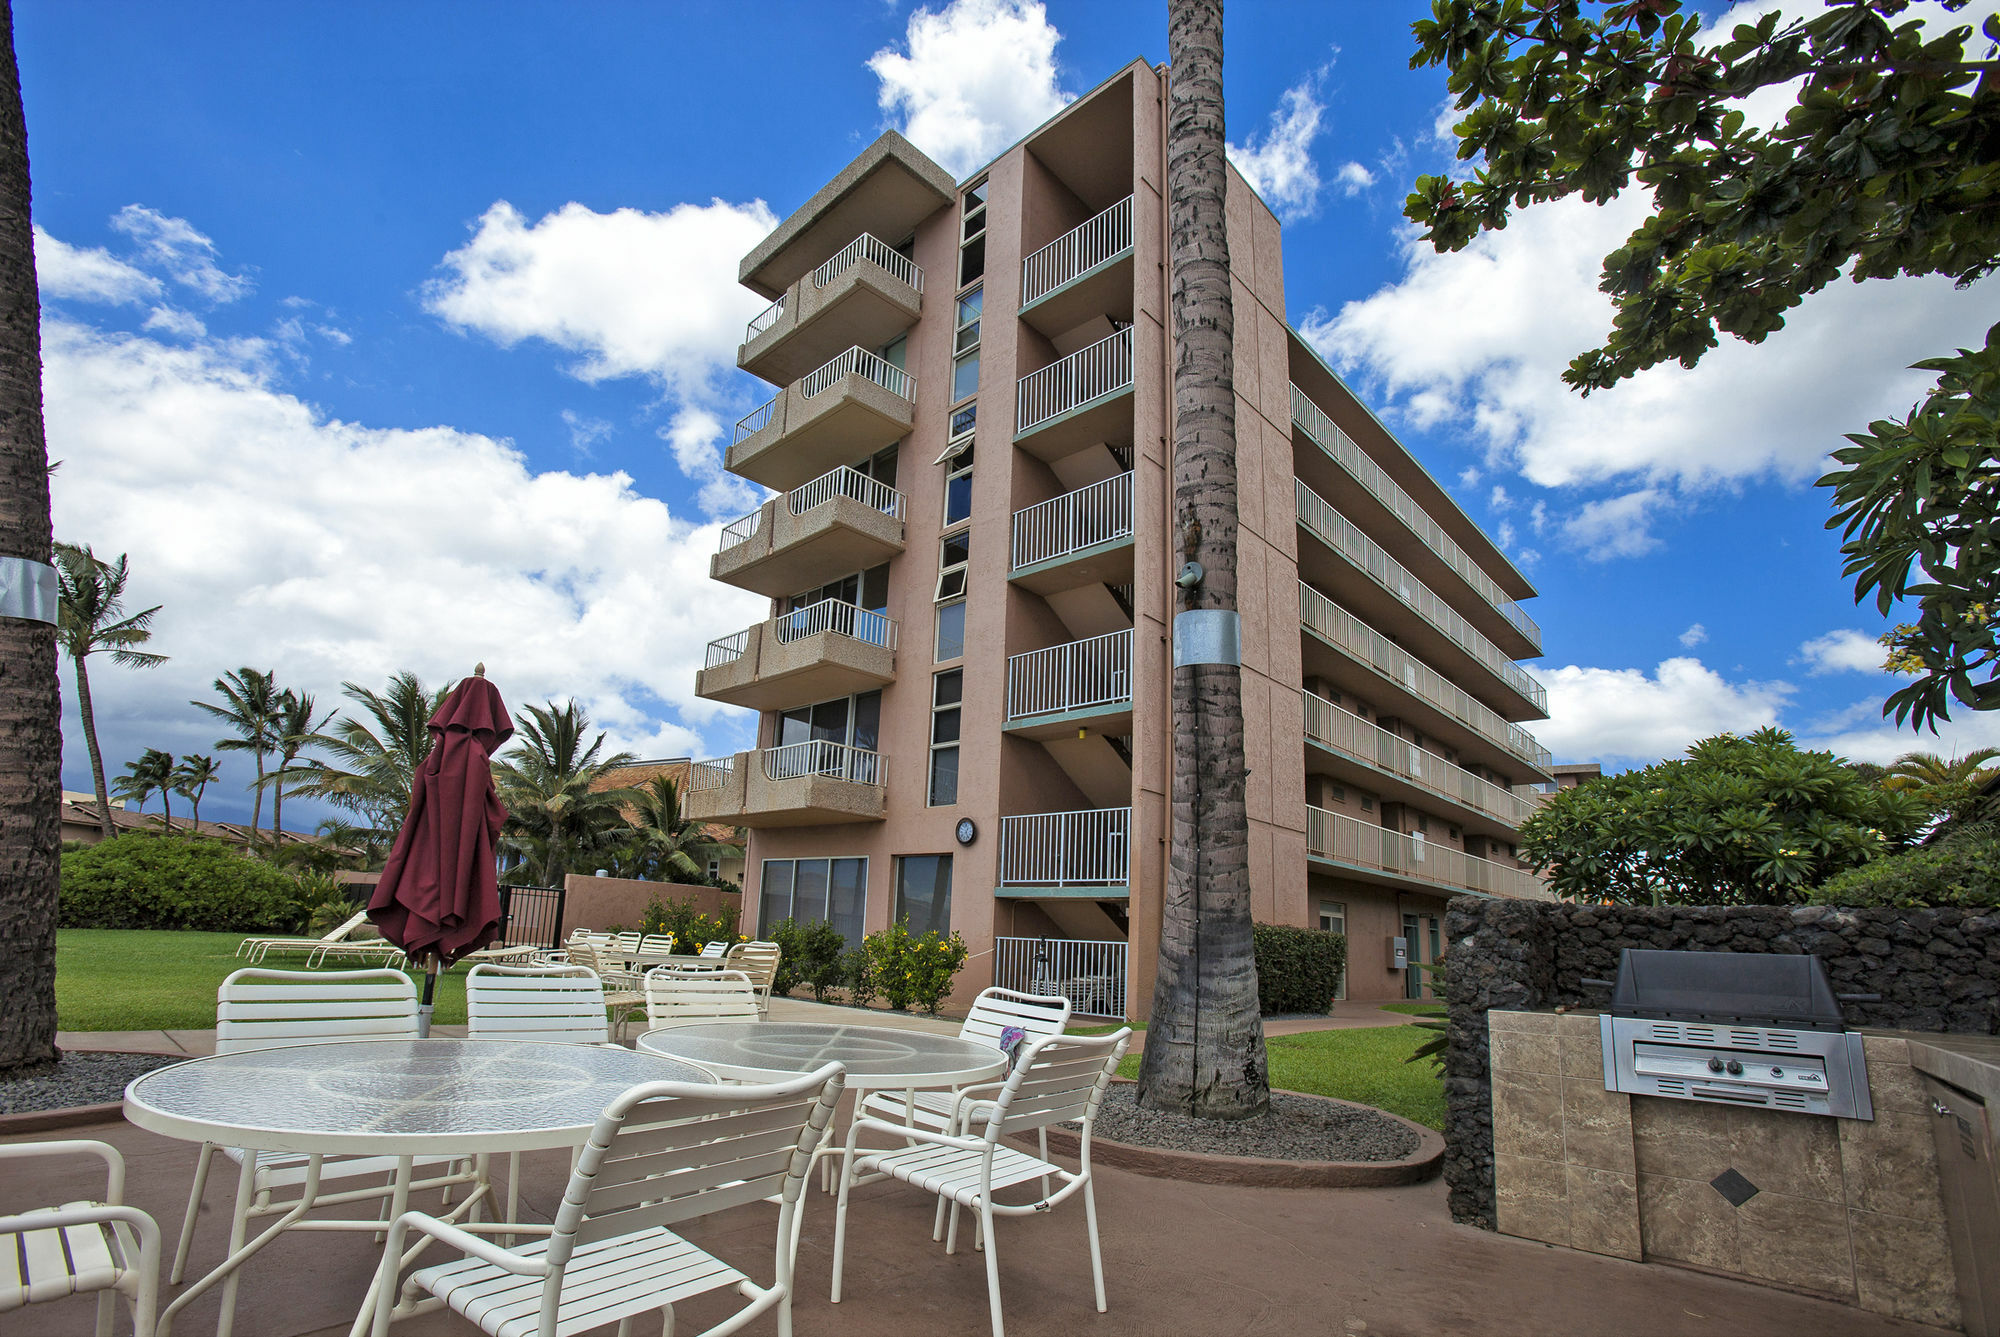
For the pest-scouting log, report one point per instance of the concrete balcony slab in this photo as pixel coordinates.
(788, 552)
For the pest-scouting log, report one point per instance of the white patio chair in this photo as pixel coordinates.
(758, 960)
(1059, 1079)
(661, 1154)
(267, 1009)
(663, 943)
(996, 1009)
(373, 952)
(690, 998)
(714, 949)
(626, 942)
(81, 1248)
(256, 948)
(622, 989)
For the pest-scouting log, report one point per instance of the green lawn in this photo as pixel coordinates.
(1415, 1009)
(121, 980)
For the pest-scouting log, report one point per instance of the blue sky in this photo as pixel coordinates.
(393, 336)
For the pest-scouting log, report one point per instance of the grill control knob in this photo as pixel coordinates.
(1715, 1065)
(1735, 1068)
(1777, 1072)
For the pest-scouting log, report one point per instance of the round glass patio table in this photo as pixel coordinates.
(877, 1058)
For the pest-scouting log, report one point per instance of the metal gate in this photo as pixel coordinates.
(531, 916)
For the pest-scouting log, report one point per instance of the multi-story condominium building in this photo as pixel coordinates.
(964, 682)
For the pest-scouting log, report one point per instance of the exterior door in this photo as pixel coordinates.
(1333, 919)
(1426, 938)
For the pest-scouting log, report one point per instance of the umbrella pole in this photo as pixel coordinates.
(429, 1005)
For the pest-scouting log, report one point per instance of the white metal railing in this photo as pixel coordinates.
(1091, 974)
(838, 617)
(1088, 848)
(1073, 676)
(741, 531)
(819, 757)
(1356, 638)
(859, 361)
(1077, 251)
(865, 247)
(845, 482)
(757, 419)
(1332, 835)
(1074, 521)
(1088, 373)
(713, 774)
(1350, 735)
(1340, 448)
(727, 649)
(764, 319)
(1345, 538)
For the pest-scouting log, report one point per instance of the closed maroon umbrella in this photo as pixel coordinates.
(438, 898)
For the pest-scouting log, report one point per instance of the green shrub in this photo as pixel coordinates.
(791, 956)
(1962, 869)
(690, 926)
(811, 955)
(857, 976)
(916, 970)
(1298, 969)
(144, 881)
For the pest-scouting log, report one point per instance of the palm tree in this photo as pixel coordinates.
(1927, 770)
(1204, 1050)
(369, 769)
(152, 773)
(88, 623)
(193, 775)
(663, 841)
(251, 708)
(296, 730)
(30, 703)
(555, 820)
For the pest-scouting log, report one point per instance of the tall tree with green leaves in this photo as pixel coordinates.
(30, 704)
(294, 731)
(556, 823)
(192, 776)
(152, 773)
(371, 760)
(91, 620)
(663, 844)
(1882, 166)
(250, 706)
(1205, 1041)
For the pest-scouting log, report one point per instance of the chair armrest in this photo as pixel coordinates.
(910, 1133)
(465, 1242)
(93, 1214)
(967, 1099)
(114, 1163)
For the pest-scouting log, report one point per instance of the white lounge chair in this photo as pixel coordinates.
(257, 948)
(660, 1155)
(81, 1248)
(758, 960)
(715, 949)
(1059, 1080)
(694, 998)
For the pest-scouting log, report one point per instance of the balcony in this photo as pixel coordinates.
(1375, 854)
(1052, 692)
(866, 295)
(1404, 772)
(1341, 647)
(886, 191)
(1390, 592)
(841, 521)
(1080, 538)
(1083, 854)
(816, 653)
(1085, 272)
(1082, 400)
(1508, 621)
(802, 784)
(849, 408)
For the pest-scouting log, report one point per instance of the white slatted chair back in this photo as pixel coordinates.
(559, 1003)
(687, 998)
(996, 1009)
(713, 949)
(657, 942)
(262, 1009)
(758, 960)
(1059, 1079)
(578, 932)
(626, 942)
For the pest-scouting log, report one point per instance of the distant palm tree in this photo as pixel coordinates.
(1927, 770)
(193, 775)
(89, 623)
(555, 821)
(295, 730)
(152, 773)
(663, 842)
(250, 698)
(370, 767)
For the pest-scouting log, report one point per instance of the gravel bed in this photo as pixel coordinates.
(1298, 1128)
(78, 1079)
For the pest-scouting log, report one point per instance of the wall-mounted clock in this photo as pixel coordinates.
(967, 831)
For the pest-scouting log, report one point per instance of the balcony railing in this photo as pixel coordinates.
(1074, 676)
(859, 361)
(757, 419)
(1340, 627)
(1089, 373)
(828, 615)
(1089, 848)
(1074, 521)
(1340, 534)
(741, 531)
(728, 649)
(1330, 835)
(1091, 974)
(714, 774)
(865, 247)
(1077, 251)
(1341, 449)
(765, 319)
(841, 482)
(819, 757)
(1351, 736)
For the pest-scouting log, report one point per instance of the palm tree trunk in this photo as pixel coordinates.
(256, 803)
(96, 758)
(30, 697)
(278, 803)
(1204, 1050)
(167, 808)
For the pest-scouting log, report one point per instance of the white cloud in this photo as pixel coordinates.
(1279, 164)
(972, 78)
(1693, 636)
(338, 337)
(1861, 734)
(1842, 651)
(180, 250)
(584, 431)
(1353, 178)
(329, 550)
(1469, 476)
(173, 320)
(1614, 526)
(89, 274)
(1498, 499)
(634, 293)
(1625, 715)
(696, 438)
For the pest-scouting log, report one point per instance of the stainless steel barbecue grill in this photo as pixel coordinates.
(1733, 1028)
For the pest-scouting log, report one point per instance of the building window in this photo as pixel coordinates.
(958, 486)
(923, 892)
(1336, 794)
(714, 869)
(950, 631)
(954, 552)
(946, 691)
(972, 236)
(834, 891)
(1333, 919)
(1367, 804)
(844, 722)
(965, 347)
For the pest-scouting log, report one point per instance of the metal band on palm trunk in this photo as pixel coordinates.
(1208, 636)
(28, 590)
